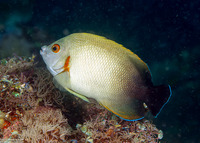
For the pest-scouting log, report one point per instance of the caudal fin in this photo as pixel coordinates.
(158, 97)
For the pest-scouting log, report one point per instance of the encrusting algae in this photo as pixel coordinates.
(33, 110)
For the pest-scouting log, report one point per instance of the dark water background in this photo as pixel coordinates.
(165, 34)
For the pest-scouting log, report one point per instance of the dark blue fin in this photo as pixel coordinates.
(158, 97)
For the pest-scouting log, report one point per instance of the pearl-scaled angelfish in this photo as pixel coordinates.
(91, 66)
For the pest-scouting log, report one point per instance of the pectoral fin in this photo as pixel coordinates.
(78, 95)
(62, 83)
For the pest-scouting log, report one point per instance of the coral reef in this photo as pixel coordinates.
(33, 110)
(105, 127)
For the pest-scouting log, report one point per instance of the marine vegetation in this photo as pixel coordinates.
(32, 109)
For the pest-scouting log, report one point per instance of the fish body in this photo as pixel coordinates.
(91, 66)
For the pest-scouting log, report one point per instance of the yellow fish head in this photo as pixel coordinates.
(54, 56)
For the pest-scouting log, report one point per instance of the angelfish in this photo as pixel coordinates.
(91, 66)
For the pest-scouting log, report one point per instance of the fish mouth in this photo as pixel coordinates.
(43, 50)
(51, 66)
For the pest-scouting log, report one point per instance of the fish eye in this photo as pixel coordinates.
(55, 48)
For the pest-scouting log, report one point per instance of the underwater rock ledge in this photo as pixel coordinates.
(33, 110)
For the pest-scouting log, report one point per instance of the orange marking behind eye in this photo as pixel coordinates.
(66, 66)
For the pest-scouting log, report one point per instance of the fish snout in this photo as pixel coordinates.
(43, 50)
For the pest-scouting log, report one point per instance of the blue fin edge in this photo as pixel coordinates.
(128, 119)
(165, 102)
